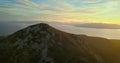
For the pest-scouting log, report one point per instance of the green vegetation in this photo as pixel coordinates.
(106, 48)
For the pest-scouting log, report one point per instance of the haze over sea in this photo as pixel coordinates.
(7, 28)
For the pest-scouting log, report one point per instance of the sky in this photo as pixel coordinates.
(66, 11)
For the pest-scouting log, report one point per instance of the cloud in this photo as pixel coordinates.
(93, 1)
(28, 3)
(73, 10)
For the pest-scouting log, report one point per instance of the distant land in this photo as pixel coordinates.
(99, 25)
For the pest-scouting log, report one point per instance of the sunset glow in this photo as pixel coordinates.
(68, 11)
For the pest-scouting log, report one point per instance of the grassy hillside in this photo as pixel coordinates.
(1, 37)
(107, 49)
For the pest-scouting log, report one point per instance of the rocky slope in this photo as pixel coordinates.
(42, 43)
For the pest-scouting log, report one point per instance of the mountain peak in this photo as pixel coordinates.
(43, 28)
(41, 25)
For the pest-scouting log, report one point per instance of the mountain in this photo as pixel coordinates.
(42, 43)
